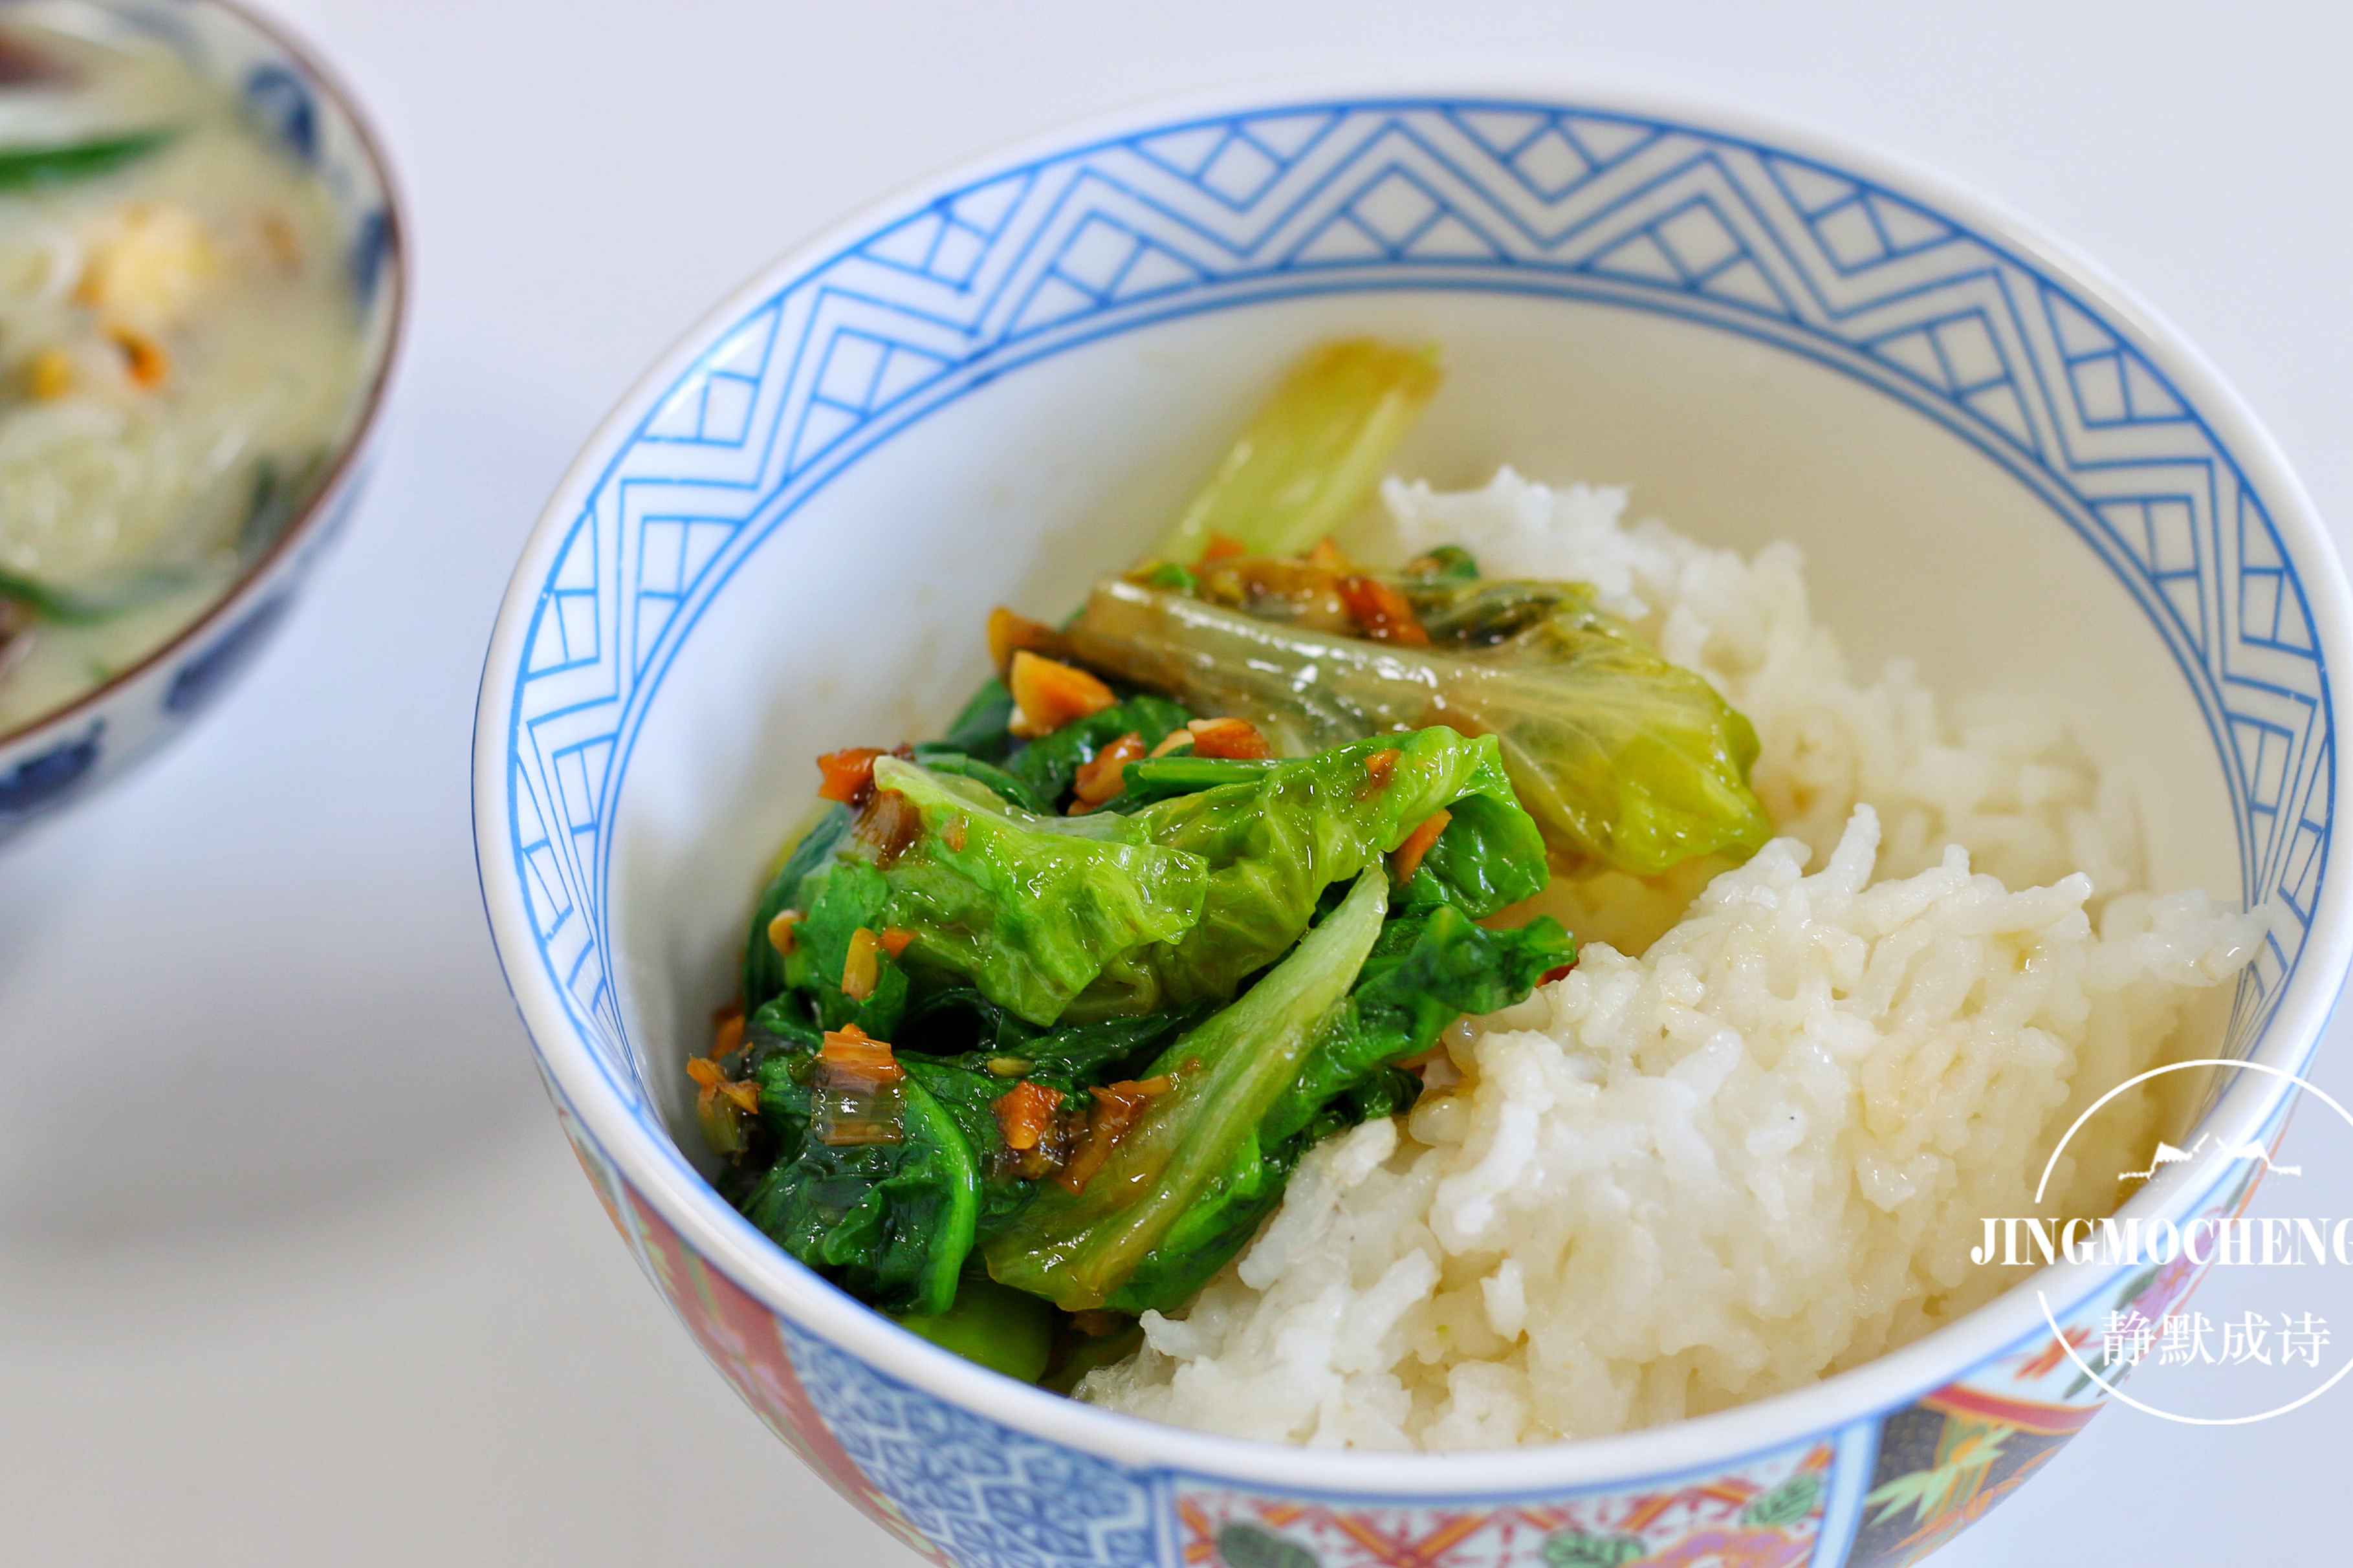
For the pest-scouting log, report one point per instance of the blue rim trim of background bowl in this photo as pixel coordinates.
(652, 416)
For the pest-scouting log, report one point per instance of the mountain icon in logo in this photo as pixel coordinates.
(2167, 1155)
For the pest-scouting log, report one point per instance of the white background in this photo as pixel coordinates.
(294, 1266)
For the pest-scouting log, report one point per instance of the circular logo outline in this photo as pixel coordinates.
(2042, 1297)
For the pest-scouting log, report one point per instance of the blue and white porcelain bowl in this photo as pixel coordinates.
(994, 388)
(62, 756)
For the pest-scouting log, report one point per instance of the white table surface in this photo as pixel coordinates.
(294, 1266)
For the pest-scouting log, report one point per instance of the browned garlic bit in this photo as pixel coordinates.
(1049, 694)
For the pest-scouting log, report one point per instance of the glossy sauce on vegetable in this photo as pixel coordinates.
(181, 351)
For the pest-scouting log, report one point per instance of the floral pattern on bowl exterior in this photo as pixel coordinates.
(1763, 1514)
(965, 1492)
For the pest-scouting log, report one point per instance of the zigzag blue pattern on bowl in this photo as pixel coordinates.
(994, 1497)
(1420, 194)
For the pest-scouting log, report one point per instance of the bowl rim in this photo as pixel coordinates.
(657, 1171)
(233, 594)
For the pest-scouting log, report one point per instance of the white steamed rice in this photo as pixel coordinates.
(1759, 1151)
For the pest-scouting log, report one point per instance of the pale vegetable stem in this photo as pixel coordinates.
(1312, 455)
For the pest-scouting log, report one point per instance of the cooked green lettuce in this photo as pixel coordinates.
(763, 966)
(1424, 971)
(1276, 839)
(896, 1223)
(1199, 1143)
(1006, 786)
(890, 1223)
(844, 897)
(1622, 759)
(1157, 779)
(983, 729)
(960, 1025)
(1036, 776)
(1006, 1331)
(1490, 855)
(1028, 908)
(1080, 918)
(1048, 765)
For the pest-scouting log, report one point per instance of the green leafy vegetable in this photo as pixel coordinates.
(1046, 765)
(1155, 779)
(40, 168)
(1023, 921)
(1036, 776)
(1028, 908)
(763, 966)
(91, 607)
(1205, 1238)
(1621, 758)
(1165, 1187)
(966, 1091)
(1275, 840)
(1119, 915)
(841, 898)
(1424, 971)
(982, 731)
(1005, 1330)
(959, 1023)
(1011, 787)
(894, 1223)
(1312, 454)
(890, 1223)
(1490, 855)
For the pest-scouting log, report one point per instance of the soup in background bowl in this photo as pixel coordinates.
(199, 292)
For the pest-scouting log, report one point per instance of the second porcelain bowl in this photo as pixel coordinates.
(62, 756)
